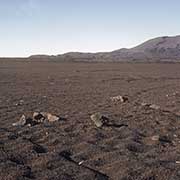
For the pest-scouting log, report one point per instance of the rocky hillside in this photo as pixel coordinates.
(158, 49)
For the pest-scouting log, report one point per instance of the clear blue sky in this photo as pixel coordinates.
(56, 26)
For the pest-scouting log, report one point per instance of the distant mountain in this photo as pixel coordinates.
(158, 49)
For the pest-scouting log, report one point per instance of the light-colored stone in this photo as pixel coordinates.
(98, 119)
(21, 122)
(41, 116)
(35, 114)
(151, 140)
(20, 103)
(52, 118)
(145, 104)
(119, 98)
(154, 106)
(80, 163)
(38, 117)
(155, 138)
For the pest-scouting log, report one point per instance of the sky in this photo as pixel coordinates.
(29, 27)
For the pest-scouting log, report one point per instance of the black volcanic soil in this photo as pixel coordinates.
(51, 151)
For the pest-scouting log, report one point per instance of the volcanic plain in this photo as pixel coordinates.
(141, 142)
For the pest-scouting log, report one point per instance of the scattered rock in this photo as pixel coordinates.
(41, 116)
(165, 139)
(21, 122)
(25, 121)
(145, 104)
(38, 117)
(80, 163)
(175, 93)
(66, 155)
(20, 103)
(155, 138)
(119, 98)
(99, 119)
(158, 139)
(39, 149)
(154, 106)
(152, 140)
(52, 118)
(31, 122)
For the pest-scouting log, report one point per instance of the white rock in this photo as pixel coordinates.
(154, 106)
(155, 138)
(119, 98)
(98, 119)
(38, 117)
(81, 162)
(21, 122)
(52, 118)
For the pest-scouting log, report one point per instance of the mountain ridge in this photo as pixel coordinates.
(166, 48)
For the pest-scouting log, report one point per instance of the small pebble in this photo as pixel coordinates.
(81, 162)
(155, 138)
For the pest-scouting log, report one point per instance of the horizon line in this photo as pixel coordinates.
(90, 52)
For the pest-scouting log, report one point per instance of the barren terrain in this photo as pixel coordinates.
(142, 143)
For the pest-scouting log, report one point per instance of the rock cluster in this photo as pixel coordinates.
(37, 118)
(119, 99)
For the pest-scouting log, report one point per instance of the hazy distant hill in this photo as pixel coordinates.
(158, 49)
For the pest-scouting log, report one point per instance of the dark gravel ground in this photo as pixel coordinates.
(74, 91)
